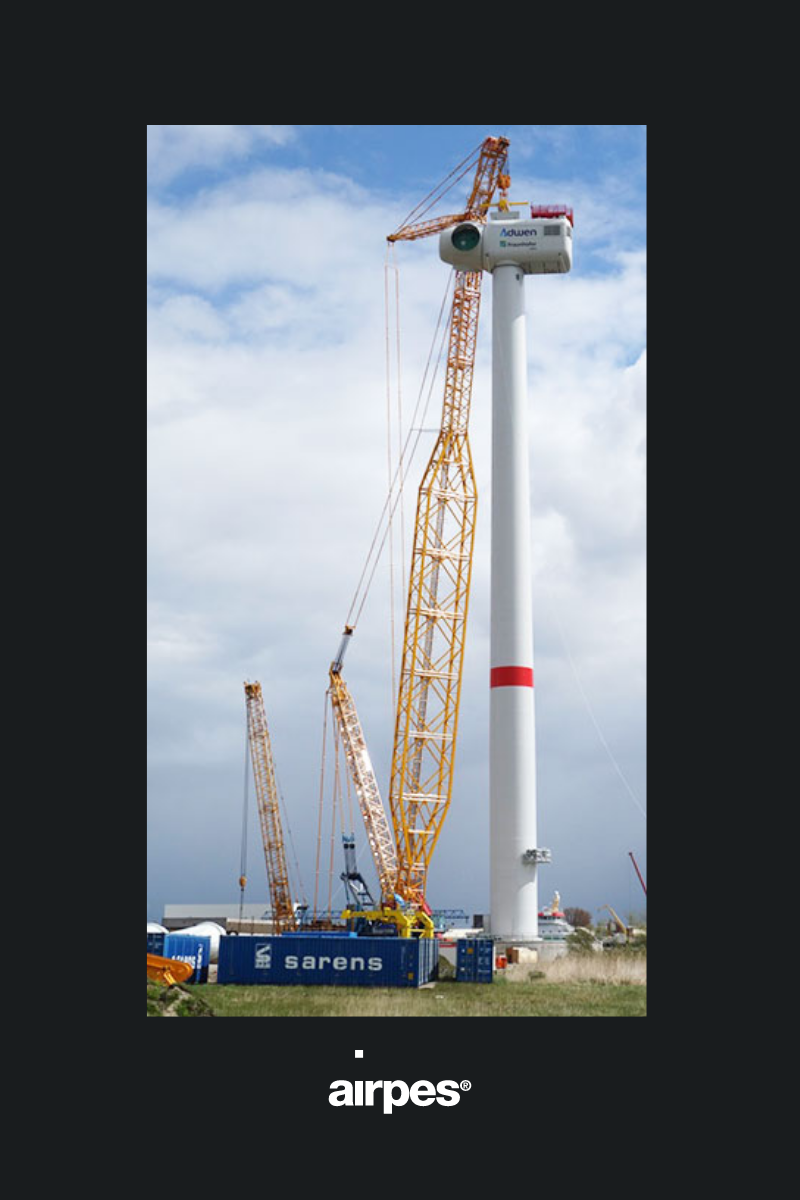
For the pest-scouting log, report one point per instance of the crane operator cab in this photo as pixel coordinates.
(539, 245)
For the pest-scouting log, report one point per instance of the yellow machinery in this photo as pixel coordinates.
(620, 924)
(407, 923)
(441, 569)
(167, 970)
(429, 692)
(283, 917)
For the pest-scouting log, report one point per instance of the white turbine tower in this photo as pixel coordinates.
(510, 247)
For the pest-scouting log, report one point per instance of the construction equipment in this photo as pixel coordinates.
(359, 896)
(408, 924)
(620, 924)
(441, 567)
(624, 933)
(638, 872)
(283, 915)
(168, 970)
(429, 692)
(379, 834)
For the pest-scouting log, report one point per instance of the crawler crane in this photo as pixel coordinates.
(359, 763)
(426, 724)
(283, 916)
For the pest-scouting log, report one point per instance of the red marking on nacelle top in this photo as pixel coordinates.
(512, 677)
(553, 210)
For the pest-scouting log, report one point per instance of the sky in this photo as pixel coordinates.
(268, 471)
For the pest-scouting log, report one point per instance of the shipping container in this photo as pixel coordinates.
(155, 943)
(190, 949)
(475, 960)
(354, 962)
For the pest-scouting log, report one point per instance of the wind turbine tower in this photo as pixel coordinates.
(509, 247)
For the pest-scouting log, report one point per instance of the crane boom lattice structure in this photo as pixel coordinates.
(283, 916)
(379, 834)
(441, 567)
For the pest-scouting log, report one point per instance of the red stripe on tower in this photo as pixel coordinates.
(512, 677)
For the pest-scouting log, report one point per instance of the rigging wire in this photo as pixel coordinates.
(388, 500)
(243, 854)
(390, 474)
(321, 798)
(398, 360)
(441, 190)
(336, 792)
(300, 885)
(390, 504)
(394, 473)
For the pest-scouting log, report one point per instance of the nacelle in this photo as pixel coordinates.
(537, 247)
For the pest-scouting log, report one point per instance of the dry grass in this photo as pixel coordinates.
(595, 968)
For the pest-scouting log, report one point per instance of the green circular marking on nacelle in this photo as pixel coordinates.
(466, 237)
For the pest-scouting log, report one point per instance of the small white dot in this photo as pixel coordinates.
(359, 1053)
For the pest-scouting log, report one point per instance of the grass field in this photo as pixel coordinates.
(603, 986)
(597, 985)
(444, 1000)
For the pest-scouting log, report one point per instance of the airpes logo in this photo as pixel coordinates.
(395, 1092)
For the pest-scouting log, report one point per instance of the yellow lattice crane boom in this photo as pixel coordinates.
(283, 916)
(441, 567)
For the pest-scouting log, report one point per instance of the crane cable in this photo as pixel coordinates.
(321, 798)
(299, 878)
(427, 203)
(390, 474)
(406, 459)
(336, 796)
(390, 266)
(243, 854)
(399, 423)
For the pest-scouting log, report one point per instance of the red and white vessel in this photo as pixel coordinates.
(553, 925)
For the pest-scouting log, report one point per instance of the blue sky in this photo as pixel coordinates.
(267, 472)
(409, 158)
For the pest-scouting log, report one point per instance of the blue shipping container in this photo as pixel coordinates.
(190, 949)
(475, 960)
(356, 962)
(155, 943)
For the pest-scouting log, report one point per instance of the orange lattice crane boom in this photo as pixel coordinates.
(283, 916)
(441, 568)
(490, 174)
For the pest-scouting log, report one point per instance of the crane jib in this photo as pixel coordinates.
(439, 583)
(426, 722)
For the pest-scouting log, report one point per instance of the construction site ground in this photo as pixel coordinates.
(612, 985)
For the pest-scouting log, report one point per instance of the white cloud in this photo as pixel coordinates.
(172, 149)
(267, 471)
(298, 227)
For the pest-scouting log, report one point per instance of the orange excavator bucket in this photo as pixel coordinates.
(168, 970)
